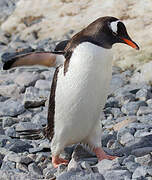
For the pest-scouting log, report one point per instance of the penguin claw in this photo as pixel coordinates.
(56, 161)
(102, 155)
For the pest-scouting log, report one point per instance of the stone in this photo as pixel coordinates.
(80, 174)
(145, 119)
(144, 110)
(11, 90)
(9, 121)
(10, 131)
(149, 102)
(126, 138)
(131, 166)
(35, 150)
(106, 165)
(34, 97)
(124, 121)
(34, 169)
(125, 98)
(131, 108)
(49, 74)
(116, 82)
(144, 160)
(18, 146)
(117, 174)
(8, 165)
(26, 79)
(140, 172)
(116, 113)
(43, 84)
(143, 94)
(141, 151)
(6, 9)
(112, 102)
(22, 167)
(40, 118)
(14, 157)
(11, 108)
(22, 126)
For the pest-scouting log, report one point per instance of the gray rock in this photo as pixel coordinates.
(117, 174)
(140, 172)
(116, 113)
(126, 138)
(144, 110)
(34, 169)
(18, 146)
(40, 118)
(125, 98)
(149, 102)
(34, 97)
(144, 160)
(106, 164)
(141, 133)
(117, 82)
(14, 157)
(145, 119)
(22, 126)
(8, 165)
(141, 151)
(9, 121)
(10, 131)
(49, 74)
(43, 84)
(11, 108)
(143, 94)
(26, 79)
(22, 167)
(35, 150)
(131, 108)
(11, 90)
(112, 102)
(80, 174)
(6, 9)
(131, 166)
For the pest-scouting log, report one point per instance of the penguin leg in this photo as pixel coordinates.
(94, 140)
(56, 149)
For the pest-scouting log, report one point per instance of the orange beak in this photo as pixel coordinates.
(131, 43)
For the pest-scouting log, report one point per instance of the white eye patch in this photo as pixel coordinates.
(114, 26)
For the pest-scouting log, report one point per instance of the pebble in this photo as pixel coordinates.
(26, 79)
(11, 108)
(140, 172)
(131, 108)
(34, 169)
(144, 110)
(34, 97)
(43, 84)
(144, 160)
(117, 174)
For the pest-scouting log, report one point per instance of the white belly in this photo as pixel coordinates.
(82, 92)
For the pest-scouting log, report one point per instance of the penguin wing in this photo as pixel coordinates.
(51, 108)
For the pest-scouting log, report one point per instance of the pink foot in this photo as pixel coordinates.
(56, 161)
(101, 154)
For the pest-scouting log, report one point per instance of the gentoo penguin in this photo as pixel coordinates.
(80, 87)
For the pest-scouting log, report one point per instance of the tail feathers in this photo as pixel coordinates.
(33, 134)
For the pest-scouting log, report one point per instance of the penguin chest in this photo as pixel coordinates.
(81, 93)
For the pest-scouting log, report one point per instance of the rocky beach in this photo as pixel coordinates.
(24, 93)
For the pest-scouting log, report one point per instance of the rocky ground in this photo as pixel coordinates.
(126, 121)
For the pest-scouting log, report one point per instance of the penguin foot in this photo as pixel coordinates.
(102, 155)
(56, 161)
